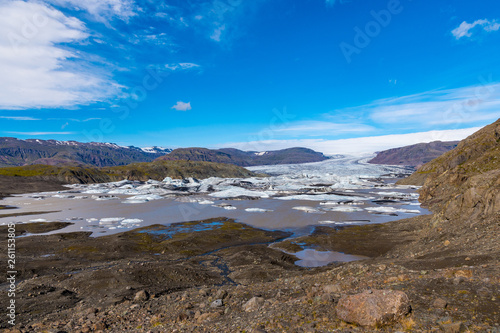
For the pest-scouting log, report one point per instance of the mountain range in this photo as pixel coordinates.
(15, 152)
(245, 158)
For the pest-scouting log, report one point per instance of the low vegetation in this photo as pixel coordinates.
(157, 170)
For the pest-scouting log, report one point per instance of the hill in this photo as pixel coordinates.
(464, 182)
(15, 152)
(47, 177)
(414, 155)
(245, 158)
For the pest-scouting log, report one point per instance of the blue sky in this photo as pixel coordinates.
(256, 74)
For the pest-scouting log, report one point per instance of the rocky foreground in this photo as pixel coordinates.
(436, 273)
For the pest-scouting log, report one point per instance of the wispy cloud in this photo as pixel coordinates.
(440, 107)
(41, 133)
(181, 106)
(36, 70)
(19, 118)
(465, 29)
(182, 66)
(355, 146)
(102, 10)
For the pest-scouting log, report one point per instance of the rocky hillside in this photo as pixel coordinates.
(15, 152)
(465, 182)
(414, 155)
(245, 158)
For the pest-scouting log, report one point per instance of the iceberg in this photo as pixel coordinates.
(308, 209)
(258, 210)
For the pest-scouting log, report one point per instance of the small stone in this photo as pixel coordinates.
(446, 243)
(141, 296)
(216, 304)
(453, 327)
(221, 294)
(253, 304)
(467, 259)
(439, 303)
(185, 315)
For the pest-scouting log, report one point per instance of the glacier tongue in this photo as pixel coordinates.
(344, 180)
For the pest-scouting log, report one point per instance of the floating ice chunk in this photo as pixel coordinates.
(391, 210)
(131, 221)
(344, 203)
(344, 222)
(38, 220)
(206, 202)
(234, 192)
(147, 197)
(346, 209)
(90, 220)
(63, 196)
(258, 210)
(134, 201)
(225, 206)
(322, 197)
(111, 220)
(112, 228)
(308, 209)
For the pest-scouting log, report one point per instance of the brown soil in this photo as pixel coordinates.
(74, 283)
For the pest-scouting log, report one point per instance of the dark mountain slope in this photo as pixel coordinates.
(414, 155)
(15, 152)
(245, 158)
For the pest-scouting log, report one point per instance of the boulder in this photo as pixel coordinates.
(373, 307)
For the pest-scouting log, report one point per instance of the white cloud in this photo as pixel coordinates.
(19, 118)
(35, 70)
(101, 10)
(464, 29)
(431, 109)
(441, 107)
(181, 66)
(356, 146)
(320, 128)
(217, 33)
(181, 106)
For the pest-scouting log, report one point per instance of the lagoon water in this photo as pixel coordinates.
(340, 191)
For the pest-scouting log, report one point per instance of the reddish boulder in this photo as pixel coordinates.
(373, 307)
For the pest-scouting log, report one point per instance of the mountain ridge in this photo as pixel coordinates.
(413, 155)
(16, 152)
(245, 158)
